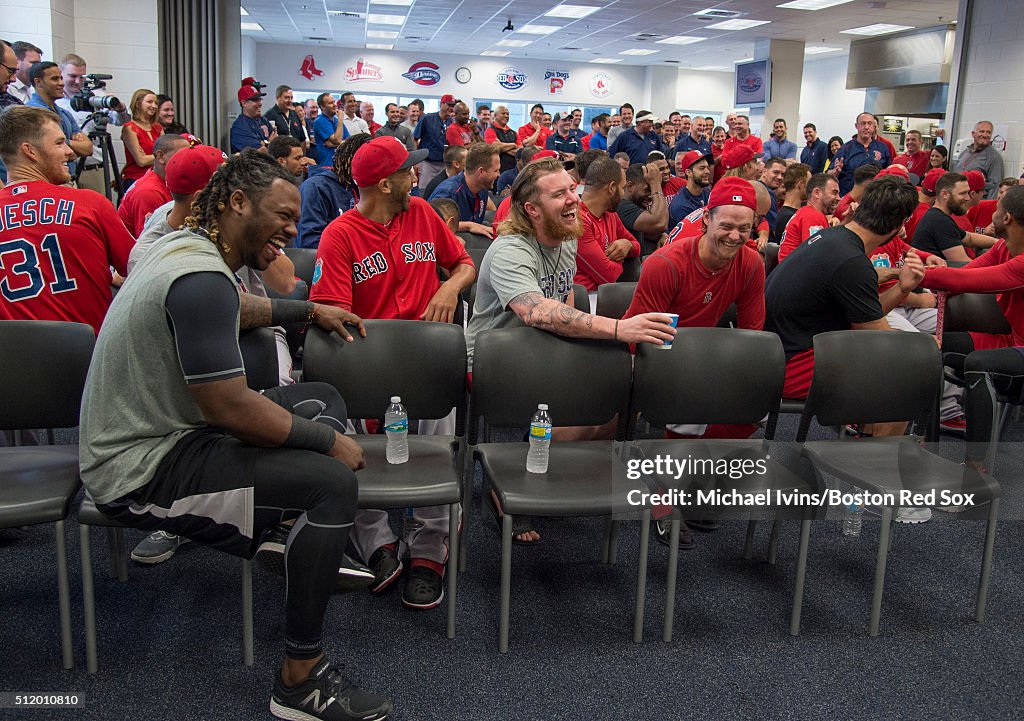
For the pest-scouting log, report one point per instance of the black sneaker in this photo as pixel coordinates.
(663, 532)
(424, 588)
(386, 567)
(329, 696)
(352, 575)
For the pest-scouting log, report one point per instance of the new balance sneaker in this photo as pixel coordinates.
(157, 547)
(424, 587)
(327, 696)
(956, 425)
(386, 567)
(352, 575)
(913, 515)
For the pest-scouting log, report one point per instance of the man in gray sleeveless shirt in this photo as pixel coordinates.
(173, 438)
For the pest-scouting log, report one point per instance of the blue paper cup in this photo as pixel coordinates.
(667, 345)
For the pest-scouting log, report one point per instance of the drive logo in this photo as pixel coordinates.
(364, 71)
(309, 68)
(423, 73)
(512, 78)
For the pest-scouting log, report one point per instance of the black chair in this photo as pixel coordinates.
(674, 387)
(613, 299)
(304, 260)
(477, 254)
(771, 257)
(425, 364)
(845, 364)
(259, 354)
(585, 383)
(580, 298)
(630, 271)
(475, 240)
(978, 312)
(45, 364)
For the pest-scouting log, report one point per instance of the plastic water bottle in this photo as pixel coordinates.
(854, 516)
(396, 425)
(540, 440)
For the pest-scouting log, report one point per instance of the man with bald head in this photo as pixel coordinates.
(981, 155)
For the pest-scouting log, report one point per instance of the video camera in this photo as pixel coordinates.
(88, 101)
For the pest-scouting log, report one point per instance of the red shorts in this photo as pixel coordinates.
(799, 371)
(987, 341)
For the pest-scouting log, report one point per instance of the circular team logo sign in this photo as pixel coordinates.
(512, 78)
(423, 73)
(601, 85)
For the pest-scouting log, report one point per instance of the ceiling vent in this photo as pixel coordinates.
(313, 37)
(717, 14)
(345, 14)
(647, 37)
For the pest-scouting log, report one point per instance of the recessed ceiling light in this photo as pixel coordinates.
(876, 29)
(244, 11)
(378, 46)
(606, 61)
(405, 3)
(385, 19)
(496, 53)
(681, 40)
(571, 11)
(737, 24)
(382, 34)
(251, 26)
(812, 4)
(638, 51)
(712, 67)
(514, 43)
(538, 29)
(819, 49)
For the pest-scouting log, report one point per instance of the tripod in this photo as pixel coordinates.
(100, 136)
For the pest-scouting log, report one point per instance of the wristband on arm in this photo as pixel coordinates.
(309, 435)
(287, 312)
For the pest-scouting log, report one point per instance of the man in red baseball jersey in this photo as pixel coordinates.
(822, 198)
(380, 260)
(56, 243)
(150, 191)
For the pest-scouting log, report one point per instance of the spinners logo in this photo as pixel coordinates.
(512, 78)
(423, 73)
(364, 71)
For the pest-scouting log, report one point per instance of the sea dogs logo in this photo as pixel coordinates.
(512, 78)
(556, 80)
(423, 73)
(364, 71)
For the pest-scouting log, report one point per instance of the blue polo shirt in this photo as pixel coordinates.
(559, 144)
(472, 207)
(686, 143)
(323, 128)
(249, 132)
(634, 145)
(67, 121)
(598, 141)
(815, 156)
(430, 132)
(775, 149)
(855, 155)
(684, 203)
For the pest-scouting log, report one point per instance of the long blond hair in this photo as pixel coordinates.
(525, 190)
(135, 106)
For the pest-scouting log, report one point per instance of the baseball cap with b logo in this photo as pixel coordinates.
(381, 157)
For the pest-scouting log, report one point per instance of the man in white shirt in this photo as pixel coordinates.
(27, 55)
(353, 123)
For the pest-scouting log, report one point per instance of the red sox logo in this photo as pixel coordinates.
(309, 68)
(707, 297)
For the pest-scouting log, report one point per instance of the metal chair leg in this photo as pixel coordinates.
(452, 571)
(986, 561)
(506, 581)
(247, 634)
(801, 575)
(606, 540)
(613, 543)
(748, 547)
(64, 597)
(88, 600)
(773, 543)
(883, 553)
(670, 586)
(641, 576)
(122, 554)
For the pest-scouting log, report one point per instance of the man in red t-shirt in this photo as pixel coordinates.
(534, 133)
(56, 243)
(742, 136)
(460, 132)
(150, 191)
(822, 198)
(380, 260)
(914, 159)
(981, 214)
(605, 242)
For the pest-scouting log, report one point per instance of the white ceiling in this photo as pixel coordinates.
(473, 26)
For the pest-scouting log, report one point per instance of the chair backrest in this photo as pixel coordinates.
(848, 367)
(630, 271)
(613, 299)
(771, 257)
(421, 361)
(979, 312)
(475, 240)
(580, 298)
(44, 365)
(259, 356)
(477, 254)
(304, 260)
(584, 382)
(710, 375)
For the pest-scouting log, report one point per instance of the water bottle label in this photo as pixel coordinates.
(540, 432)
(399, 426)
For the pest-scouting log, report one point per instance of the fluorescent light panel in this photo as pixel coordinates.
(514, 43)
(382, 34)
(812, 4)
(251, 26)
(378, 46)
(819, 49)
(638, 51)
(539, 29)
(681, 40)
(606, 61)
(244, 11)
(496, 53)
(403, 3)
(876, 29)
(571, 11)
(385, 19)
(737, 24)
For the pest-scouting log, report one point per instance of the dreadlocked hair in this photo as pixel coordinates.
(344, 154)
(250, 171)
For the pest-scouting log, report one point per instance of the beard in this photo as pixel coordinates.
(956, 208)
(555, 229)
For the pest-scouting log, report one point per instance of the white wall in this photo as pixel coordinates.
(248, 56)
(825, 101)
(708, 91)
(121, 39)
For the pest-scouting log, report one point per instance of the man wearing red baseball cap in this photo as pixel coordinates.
(695, 165)
(150, 191)
(251, 129)
(431, 134)
(380, 260)
(976, 182)
(739, 161)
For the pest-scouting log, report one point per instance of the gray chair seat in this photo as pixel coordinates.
(38, 484)
(578, 481)
(386, 485)
(91, 516)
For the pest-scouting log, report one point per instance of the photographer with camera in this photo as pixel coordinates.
(86, 100)
(139, 135)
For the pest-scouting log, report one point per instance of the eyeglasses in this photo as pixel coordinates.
(9, 69)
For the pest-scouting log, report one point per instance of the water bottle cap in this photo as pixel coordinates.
(396, 399)
(542, 406)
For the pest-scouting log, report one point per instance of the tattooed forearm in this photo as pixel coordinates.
(537, 311)
(254, 311)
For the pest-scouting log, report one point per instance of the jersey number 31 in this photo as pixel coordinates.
(31, 282)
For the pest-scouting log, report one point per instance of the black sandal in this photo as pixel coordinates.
(520, 524)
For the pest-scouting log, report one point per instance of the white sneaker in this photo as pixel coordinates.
(913, 515)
